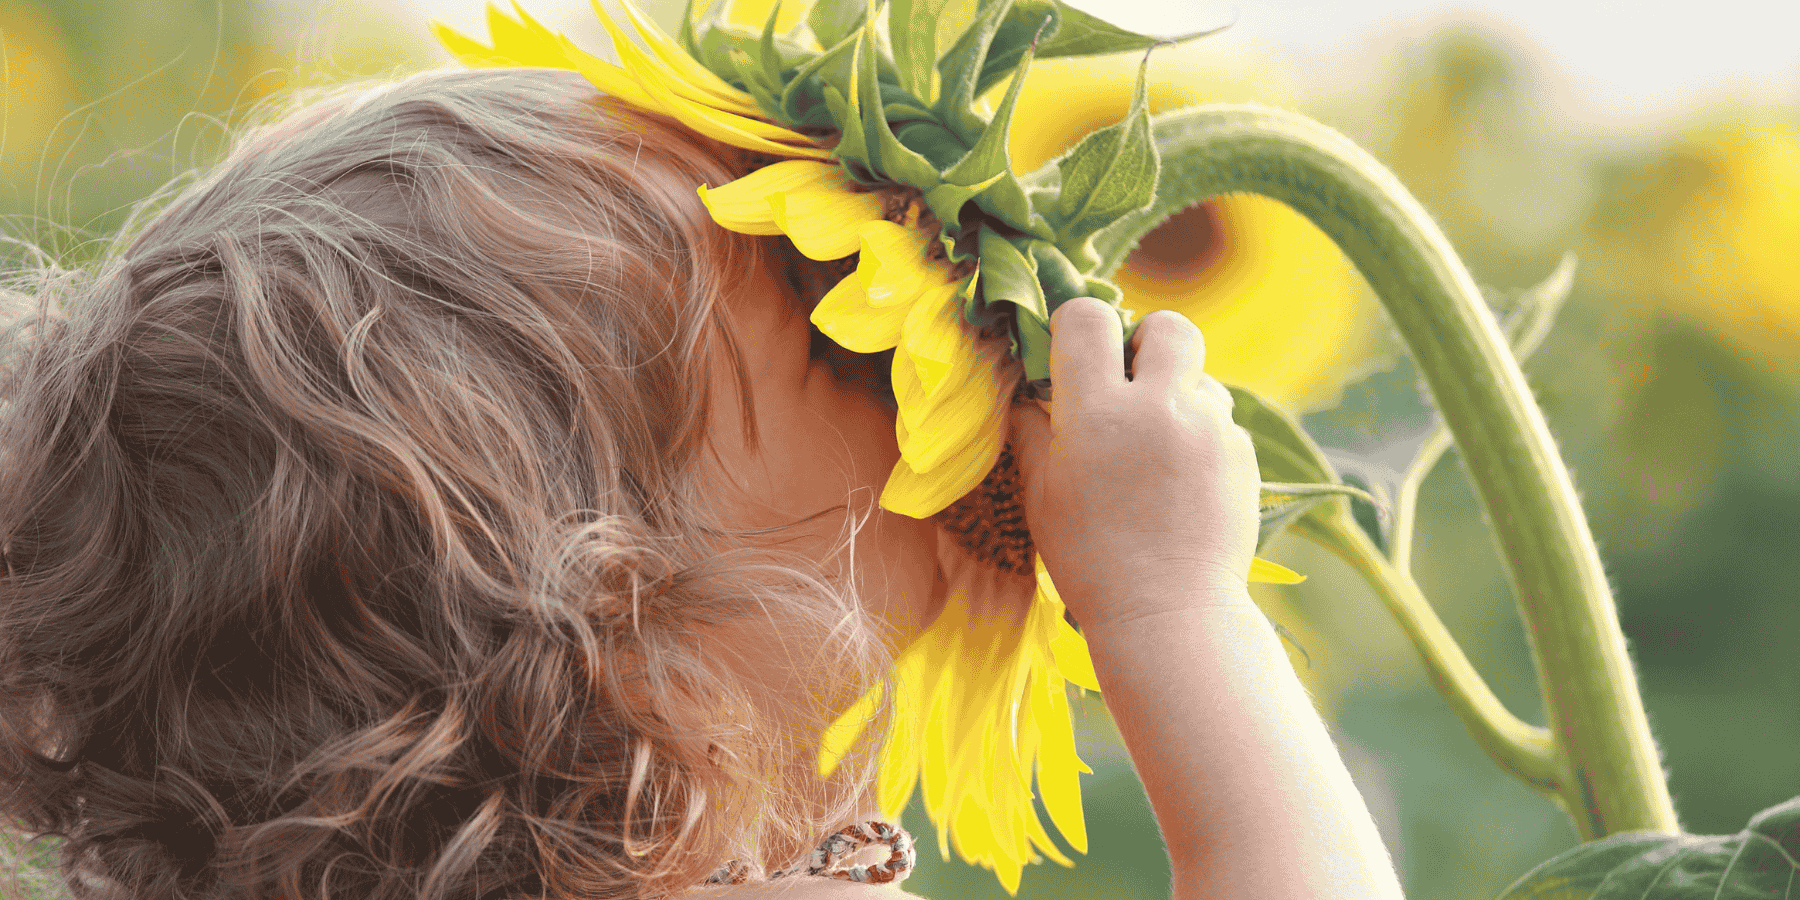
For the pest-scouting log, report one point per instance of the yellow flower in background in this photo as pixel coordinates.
(660, 77)
(1727, 250)
(1284, 312)
(37, 87)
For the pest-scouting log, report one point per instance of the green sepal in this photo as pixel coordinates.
(939, 145)
(1059, 277)
(1105, 290)
(1010, 275)
(1109, 175)
(771, 60)
(1283, 503)
(891, 158)
(803, 100)
(751, 76)
(946, 201)
(833, 20)
(1031, 344)
(961, 68)
(685, 35)
(988, 157)
(1024, 22)
(912, 36)
(851, 149)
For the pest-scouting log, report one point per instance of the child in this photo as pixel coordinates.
(434, 503)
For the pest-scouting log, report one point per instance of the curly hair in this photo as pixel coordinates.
(353, 540)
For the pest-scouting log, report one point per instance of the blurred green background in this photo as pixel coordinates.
(1672, 380)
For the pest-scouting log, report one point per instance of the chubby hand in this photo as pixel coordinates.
(1140, 489)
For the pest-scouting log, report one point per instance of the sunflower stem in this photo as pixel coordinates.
(1406, 496)
(1602, 738)
(1527, 751)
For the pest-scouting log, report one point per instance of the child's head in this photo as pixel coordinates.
(357, 536)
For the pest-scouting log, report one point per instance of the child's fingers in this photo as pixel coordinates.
(1169, 351)
(1087, 351)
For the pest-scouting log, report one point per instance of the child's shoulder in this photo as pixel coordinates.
(801, 888)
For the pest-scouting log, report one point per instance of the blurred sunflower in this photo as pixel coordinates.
(37, 88)
(1711, 232)
(1284, 313)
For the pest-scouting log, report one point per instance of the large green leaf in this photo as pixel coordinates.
(1109, 175)
(1762, 862)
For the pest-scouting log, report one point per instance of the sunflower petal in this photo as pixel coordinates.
(824, 220)
(899, 270)
(938, 340)
(712, 90)
(936, 427)
(845, 316)
(1273, 573)
(841, 735)
(922, 495)
(467, 50)
(743, 205)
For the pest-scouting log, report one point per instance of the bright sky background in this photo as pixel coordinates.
(1599, 62)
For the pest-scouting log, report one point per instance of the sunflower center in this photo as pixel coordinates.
(1182, 247)
(989, 522)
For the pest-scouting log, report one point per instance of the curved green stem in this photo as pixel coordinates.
(1406, 496)
(1590, 690)
(1527, 751)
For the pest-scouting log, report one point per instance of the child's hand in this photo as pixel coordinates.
(1138, 491)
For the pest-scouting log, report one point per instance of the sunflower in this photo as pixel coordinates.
(979, 698)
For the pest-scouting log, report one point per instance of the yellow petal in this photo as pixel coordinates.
(825, 220)
(899, 271)
(842, 733)
(922, 495)
(938, 340)
(610, 79)
(1057, 765)
(1273, 573)
(689, 70)
(845, 316)
(931, 429)
(468, 51)
(526, 40)
(743, 205)
(744, 114)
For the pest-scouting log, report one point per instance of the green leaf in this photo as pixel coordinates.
(1761, 862)
(1084, 35)
(891, 158)
(1109, 175)
(1526, 317)
(1283, 503)
(715, 13)
(961, 67)
(1032, 347)
(912, 34)
(833, 20)
(1284, 452)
